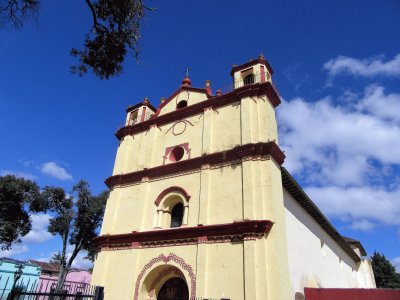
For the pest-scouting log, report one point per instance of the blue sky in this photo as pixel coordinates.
(336, 64)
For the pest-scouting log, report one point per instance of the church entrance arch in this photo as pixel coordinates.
(166, 276)
(174, 288)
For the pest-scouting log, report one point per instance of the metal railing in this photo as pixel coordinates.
(44, 289)
(139, 118)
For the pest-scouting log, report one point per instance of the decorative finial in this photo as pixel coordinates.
(162, 99)
(234, 65)
(218, 93)
(261, 56)
(146, 100)
(208, 83)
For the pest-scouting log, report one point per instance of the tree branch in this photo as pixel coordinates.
(96, 24)
(93, 12)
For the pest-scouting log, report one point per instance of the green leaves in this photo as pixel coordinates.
(384, 272)
(115, 32)
(16, 194)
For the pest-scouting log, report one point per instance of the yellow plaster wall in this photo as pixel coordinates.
(251, 120)
(249, 190)
(223, 272)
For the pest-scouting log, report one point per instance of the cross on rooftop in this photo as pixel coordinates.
(187, 71)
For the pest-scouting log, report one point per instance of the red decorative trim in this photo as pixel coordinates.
(262, 72)
(185, 122)
(252, 63)
(143, 114)
(229, 232)
(251, 90)
(251, 151)
(172, 189)
(166, 259)
(350, 294)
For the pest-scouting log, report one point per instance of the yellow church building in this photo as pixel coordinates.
(201, 207)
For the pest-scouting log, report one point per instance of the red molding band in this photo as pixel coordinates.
(237, 231)
(251, 90)
(240, 152)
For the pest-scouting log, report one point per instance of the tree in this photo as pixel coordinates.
(56, 258)
(115, 32)
(17, 195)
(75, 220)
(384, 272)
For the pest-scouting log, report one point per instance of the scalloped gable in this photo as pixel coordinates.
(184, 93)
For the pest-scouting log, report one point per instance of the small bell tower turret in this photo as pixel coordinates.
(254, 71)
(139, 113)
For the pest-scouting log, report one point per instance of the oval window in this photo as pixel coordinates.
(177, 154)
(181, 104)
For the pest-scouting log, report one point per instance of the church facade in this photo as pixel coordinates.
(200, 205)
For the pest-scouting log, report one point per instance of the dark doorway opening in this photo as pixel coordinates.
(174, 289)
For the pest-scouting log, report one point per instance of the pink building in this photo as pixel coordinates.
(77, 281)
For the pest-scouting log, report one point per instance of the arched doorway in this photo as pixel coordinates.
(174, 288)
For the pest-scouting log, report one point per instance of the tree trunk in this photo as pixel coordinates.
(63, 268)
(61, 279)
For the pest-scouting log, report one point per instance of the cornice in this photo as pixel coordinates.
(239, 153)
(143, 103)
(252, 63)
(217, 233)
(252, 90)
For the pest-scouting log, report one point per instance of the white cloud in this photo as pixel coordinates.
(38, 233)
(345, 154)
(81, 263)
(16, 249)
(26, 162)
(340, 141)
(396, 262)
(358, 202)
(377, 103)
(363, 67)
(18, 174)
(362, 225)
(54, 170)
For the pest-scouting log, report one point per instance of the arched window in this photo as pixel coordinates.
(249, 79)
(172, 208)
(181, 104)
(177, 215)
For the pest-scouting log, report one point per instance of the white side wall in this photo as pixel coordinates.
(315, 259)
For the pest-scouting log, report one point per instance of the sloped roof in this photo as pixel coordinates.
(15, 261)
(294, 189)
(49, 267)
(357, 244)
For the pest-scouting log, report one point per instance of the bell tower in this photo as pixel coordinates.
(196, 203)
